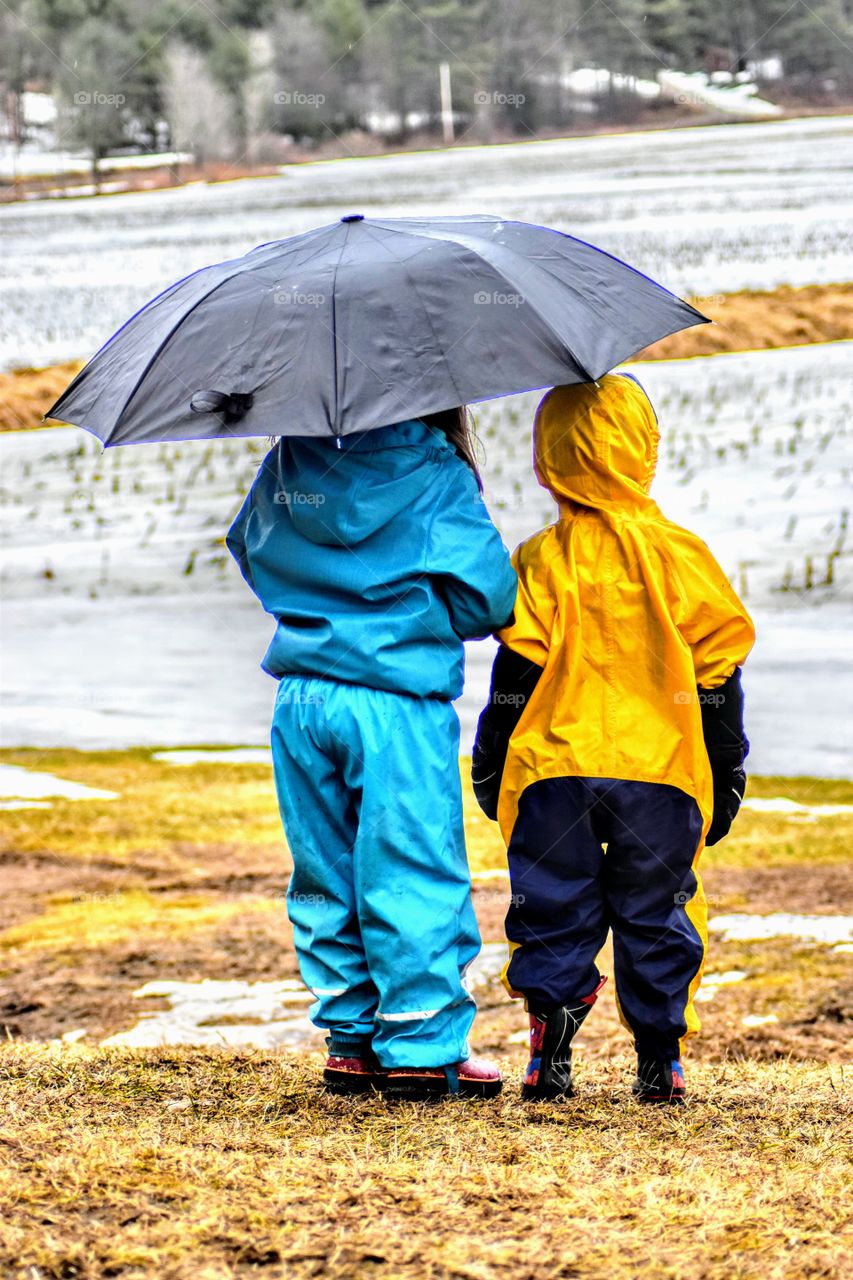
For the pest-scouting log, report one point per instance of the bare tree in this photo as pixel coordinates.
(197, 109)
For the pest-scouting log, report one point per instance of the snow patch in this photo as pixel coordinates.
(712, 982)
(26, 788)
(272, 1013)
(695, 90)
(792, 809)
(758, 1019)
(225, 755)
(781, 924)
(250, 1014)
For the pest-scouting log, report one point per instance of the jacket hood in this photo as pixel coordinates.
(339, 496)
(596, 445)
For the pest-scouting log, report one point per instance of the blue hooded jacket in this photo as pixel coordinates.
(377, 559)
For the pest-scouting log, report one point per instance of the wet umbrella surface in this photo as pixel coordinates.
(365, 322)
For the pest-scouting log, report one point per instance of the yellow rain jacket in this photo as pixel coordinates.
(626, 612)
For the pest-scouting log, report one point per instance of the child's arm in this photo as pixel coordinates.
(521, 657)
(727, 746)
(720, 632)
(513, 680)
(235, 539)
(468, 560)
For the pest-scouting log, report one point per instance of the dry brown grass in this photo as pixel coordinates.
(751, 321)
(215, 1164)
(26, 394)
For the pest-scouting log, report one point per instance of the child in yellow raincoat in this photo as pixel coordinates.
(615, 722)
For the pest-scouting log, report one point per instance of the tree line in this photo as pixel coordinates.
(226, 78)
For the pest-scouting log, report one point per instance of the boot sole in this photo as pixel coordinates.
(347, 1084)
(660, 1099)
(427, 1089)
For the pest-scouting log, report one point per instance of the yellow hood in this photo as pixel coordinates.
(596, 445)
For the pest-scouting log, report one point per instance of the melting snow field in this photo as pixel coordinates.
(703, 210)
(126, 623)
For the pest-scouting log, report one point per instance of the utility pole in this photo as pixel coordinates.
(446, 104)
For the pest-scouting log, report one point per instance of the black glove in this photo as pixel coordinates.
(727, 800)
(487, 766)
(727, 746)
(513, 681)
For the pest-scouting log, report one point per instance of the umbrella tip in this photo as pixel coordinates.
(353, 217)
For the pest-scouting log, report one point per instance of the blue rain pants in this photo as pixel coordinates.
(567, 892)
(380, 896)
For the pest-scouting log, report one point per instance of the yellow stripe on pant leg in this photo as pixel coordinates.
(625, 1023)
(511, 991)
(697, 914)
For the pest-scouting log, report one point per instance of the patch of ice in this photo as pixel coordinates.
(224, 755)
(793, 809)
(758, 1019)
(242, 1014)
(781, 924)
(18, 783)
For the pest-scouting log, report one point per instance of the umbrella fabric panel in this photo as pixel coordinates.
(252, 335)
(139, 386)
(98, 394)
(588, 311)
(433, 335)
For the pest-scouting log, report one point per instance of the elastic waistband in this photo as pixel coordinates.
(303, 678)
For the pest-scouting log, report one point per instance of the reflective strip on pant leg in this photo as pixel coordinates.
(415, 1016)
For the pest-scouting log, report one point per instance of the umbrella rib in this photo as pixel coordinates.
(443, 354)
(335, 425)
(161, 345)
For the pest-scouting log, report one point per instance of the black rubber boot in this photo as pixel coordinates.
(549, 1071)
(659, 1080)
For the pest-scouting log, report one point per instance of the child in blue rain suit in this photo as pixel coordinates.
(376, 557)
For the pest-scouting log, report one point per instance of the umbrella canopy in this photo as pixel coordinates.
(365, 322)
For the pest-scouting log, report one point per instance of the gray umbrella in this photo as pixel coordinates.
(365, 322)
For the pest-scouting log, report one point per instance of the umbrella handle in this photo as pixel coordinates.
(231, 405)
